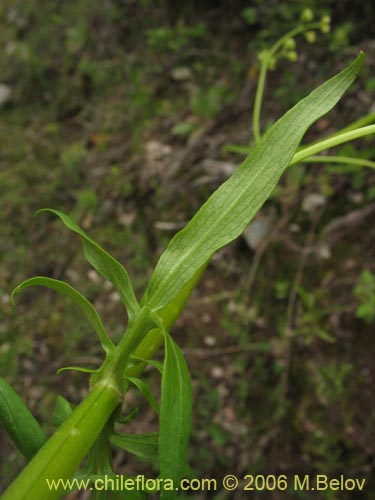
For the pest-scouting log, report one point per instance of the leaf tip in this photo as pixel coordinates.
(75, 368)
(13, 293)
(42, 210)
(360, 59)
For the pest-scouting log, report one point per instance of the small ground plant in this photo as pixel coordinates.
(89, 429)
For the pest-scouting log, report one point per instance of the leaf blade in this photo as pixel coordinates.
(18, 421)
(228, 211)
(175, 415)
(106, 265)
(144, 446)
(146, 392)
(84, 305)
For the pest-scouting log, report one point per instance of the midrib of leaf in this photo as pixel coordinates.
(256, 177)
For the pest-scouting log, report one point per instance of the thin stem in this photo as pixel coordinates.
(366, 120)
(292, 33)
(331, 142)
(65, 449)
(137, 330)
(340, 159)
(267, 56)
(259, 98)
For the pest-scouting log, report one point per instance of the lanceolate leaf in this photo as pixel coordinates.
(129, 418)
(18, 422)
(82, 369)
(86, 307)
(228, 211)
(106, 265)
(144, 446)
(152, 362)
(146, 391)
(175, 415)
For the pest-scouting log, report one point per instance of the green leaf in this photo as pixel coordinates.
(18, 422)
(152, 362)
(76, 368)
(230, 208)
(168, 314)
(86, 307)
(63, 410)
(146, 391)
(106, 265)
(175, 415)
(144, 446)
(129, 417)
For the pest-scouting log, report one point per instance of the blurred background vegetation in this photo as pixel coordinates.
(122, 113)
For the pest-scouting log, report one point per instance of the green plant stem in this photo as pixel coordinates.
(267, 56)
(362, 122)
(291, 34)
(155, 337)
(259, 99)
(66, 448)
(137, 330)
(340, 159)
(64, 451)
(331, 142)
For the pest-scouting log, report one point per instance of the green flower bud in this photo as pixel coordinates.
(325, 24)
(272, 63)
(290, 44)
(310, 36)
(307, 15)
(291, 55)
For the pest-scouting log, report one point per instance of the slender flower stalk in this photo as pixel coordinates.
(266, 58)
(331, 142)
(360, 162)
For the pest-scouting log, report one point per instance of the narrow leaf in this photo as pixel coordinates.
(18, 422)
(106, 265)
(175, 415)
(63, 410)
(144, 446)
(146, 391)
(151, 362)
(230, 208)
(86, 307)
(129, 418)
(75, 368)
